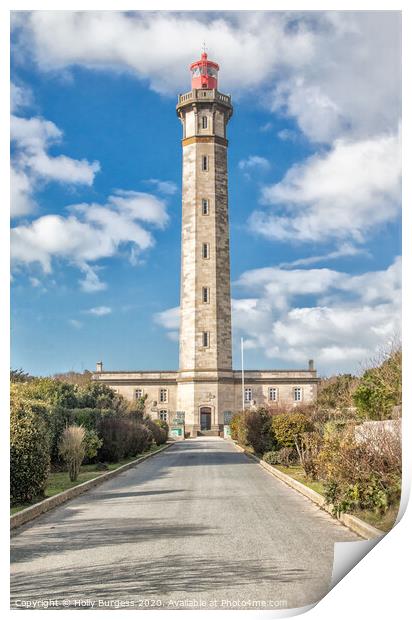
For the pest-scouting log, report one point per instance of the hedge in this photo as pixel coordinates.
(29, 450)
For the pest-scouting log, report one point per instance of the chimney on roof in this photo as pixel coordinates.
(311, 365)
(99, 367)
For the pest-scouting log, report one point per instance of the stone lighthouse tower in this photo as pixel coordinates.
(203, 394)
(205, 355)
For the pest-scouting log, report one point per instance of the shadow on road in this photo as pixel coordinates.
(192, 452)
(153, 577)
(84, 534)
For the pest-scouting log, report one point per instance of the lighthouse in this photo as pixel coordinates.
(205, 348)
(201, 396)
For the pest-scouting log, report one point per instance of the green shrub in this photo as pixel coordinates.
(72, 449)
(284, 456)
(235, 422)
(163, 424)
(288, 428)
(337, 392)
(92, 443)
(135, 408)
(113, 431)
(271, 457)
(88, 417)
(362, 495)
(49, 391)
(257, 433)
(362, 473)
(308, 447)
(159, 434)
(58, 418)
(29, 450)
(139, 438)
(380, 388)
(98, 396)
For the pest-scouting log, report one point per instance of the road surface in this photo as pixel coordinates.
(197, 526)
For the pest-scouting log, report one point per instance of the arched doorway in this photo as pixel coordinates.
(205, 418)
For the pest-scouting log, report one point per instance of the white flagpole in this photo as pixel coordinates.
(243, 376)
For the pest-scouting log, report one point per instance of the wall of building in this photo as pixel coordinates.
(221, 396)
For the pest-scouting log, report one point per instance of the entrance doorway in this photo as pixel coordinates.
(205, 418)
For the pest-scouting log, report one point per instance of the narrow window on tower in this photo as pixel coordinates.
(204, 122)
(205, 295)
(204, 162)
(205, 250)
(205, 206)
(205, 339)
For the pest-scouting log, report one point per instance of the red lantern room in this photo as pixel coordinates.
(204, 73)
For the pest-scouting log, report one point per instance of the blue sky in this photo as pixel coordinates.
(314, 182)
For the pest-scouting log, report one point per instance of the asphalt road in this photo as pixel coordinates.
(197, 526)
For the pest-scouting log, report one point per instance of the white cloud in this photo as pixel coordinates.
(350, 85)
(287, 135)
(20, 97)
(33, 134)
(347, 321)
(91, 232)
(254, 162)
(91, 282)
(99, 311)
(281, 287)
(170, 320)
(141, 206)
(21, 189)
(336, 73)
(164, 187)
(342, 194)
(158, 47)
(346, 249)
(32, 165)
(75, 323)
(266, 127)
(63, 169)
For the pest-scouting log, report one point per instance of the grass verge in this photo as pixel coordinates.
(59, 481)
(381, 522)
(296, 472)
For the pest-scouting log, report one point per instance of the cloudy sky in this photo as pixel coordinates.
(314, 181)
